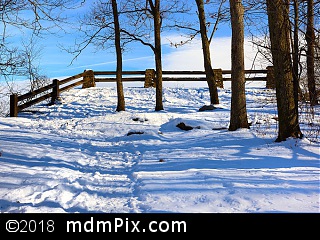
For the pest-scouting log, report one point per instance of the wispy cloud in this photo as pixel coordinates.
(109, 62)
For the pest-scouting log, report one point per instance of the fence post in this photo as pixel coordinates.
(55, 91)
(270, 83)
(14, 105)
(218, 77)
(149, 78)
(88, 78)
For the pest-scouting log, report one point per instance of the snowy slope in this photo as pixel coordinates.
(82, 156)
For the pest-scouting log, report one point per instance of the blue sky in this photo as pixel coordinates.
(56, 63)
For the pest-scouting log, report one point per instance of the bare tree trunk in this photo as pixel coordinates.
(214, 98)
(279, 28)
(310, 38)
(120, 94)
(296, 85)
(157, 51)
(238, 116)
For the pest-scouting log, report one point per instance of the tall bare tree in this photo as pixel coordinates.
(157, 19)
(117, 38)
(147, 19)
(147, 16)
(100, 27)
(214, 98)
(238, 116)
(310, 38)
(279, 28)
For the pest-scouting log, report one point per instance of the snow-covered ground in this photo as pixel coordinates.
(82, 156)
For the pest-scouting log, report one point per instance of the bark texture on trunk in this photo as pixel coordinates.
(238, 115)
(279, 28)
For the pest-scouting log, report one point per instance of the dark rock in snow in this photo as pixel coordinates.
(183, 126)
(207, 108)
(134, 132)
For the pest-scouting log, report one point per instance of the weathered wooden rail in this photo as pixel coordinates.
(148, 76)
(31, 98)
(89, 78)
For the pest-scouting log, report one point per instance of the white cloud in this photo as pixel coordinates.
(189, 56)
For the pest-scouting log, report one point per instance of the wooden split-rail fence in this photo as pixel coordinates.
(89, 78)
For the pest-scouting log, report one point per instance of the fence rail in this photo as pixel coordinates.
(31, 98)
(89, 79)
(181, 75)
